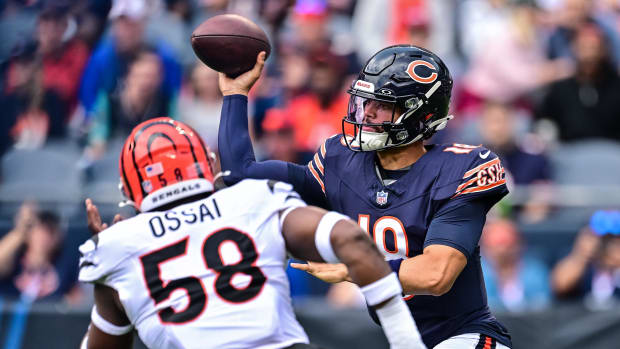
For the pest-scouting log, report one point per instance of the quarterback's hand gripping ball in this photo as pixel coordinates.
(229, 44)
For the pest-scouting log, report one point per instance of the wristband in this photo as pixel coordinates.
(382, 289)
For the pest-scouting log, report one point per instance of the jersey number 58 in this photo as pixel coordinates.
(160, 290)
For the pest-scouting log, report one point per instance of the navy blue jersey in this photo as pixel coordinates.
(442, 199)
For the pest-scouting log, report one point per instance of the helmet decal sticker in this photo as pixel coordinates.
(423, 80)
(147, 186)
(364, 86)
(154, 169)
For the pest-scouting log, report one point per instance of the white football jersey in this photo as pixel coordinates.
(208, 274)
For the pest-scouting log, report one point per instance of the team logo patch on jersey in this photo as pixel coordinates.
(382, 197)
(154, 169)
(411, 71)
(484, 155)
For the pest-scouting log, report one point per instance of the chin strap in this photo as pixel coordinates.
(435, 126)
(440, 124)
(375, 141)
(431, 128)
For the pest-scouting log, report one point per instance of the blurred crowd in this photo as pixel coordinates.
(536, 81)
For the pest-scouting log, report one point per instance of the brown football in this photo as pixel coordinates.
(229, 43)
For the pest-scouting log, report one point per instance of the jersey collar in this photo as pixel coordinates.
(401, 186)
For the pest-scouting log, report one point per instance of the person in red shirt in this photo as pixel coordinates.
(317, 114)
(64, 56)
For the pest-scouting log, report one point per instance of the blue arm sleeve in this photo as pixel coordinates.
(100, 75)
(459, 223)
(237, 155)
(173, 73)
(90, 84)
(235, 147)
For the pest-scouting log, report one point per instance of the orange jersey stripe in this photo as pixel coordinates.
(350, 139)
(316, 176)
(487, 343)
(480, 167)
(323, 150)
(457, 150)
(318, 163)
(483, 188)
(466, 184)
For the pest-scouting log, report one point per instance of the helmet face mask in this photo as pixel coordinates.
(410, 81)
(369, 135)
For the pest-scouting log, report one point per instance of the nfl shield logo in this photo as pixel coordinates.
(382, 197)
(147, 186)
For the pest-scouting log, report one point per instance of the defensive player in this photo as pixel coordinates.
(424, 205)
(205, 269)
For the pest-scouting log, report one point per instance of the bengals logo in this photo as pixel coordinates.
(423, 80)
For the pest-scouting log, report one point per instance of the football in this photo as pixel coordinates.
(229, 43)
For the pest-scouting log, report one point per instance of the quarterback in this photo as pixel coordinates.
(424, 205)
(200, 268)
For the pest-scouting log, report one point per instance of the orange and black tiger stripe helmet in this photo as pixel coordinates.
(164, 160)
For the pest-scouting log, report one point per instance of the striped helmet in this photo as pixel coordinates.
(162, 161)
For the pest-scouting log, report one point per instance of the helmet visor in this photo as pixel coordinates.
(356, 109)
(371, 114)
